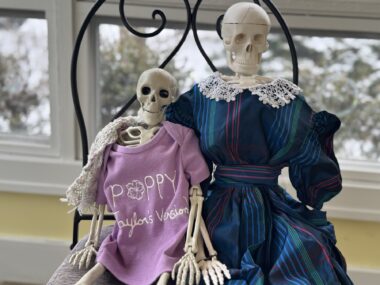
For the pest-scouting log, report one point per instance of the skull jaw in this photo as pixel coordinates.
(151, 118)
(242, 66)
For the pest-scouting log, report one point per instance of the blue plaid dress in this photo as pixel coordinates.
(260, 232)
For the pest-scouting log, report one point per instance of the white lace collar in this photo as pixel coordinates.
(276, 93)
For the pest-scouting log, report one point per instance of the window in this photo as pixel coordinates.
(358, 153)
(337, 74)
(37, 145)
(123, 57)
(340, 75)
(43, 138)
(24, 78)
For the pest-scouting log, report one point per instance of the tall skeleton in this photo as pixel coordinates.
(156, 89)
(245, 31)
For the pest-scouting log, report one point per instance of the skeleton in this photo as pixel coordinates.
(155, 90)
(245, 28)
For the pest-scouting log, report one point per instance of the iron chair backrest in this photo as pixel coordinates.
(190, 24)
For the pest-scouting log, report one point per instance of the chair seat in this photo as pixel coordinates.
(67, 274)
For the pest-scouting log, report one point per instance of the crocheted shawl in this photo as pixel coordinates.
(82, 192)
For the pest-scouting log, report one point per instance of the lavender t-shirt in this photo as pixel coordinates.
(147, 189)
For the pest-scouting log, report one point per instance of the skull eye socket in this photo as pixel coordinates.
(259, 38)
(145, 90)
(164, 93)
(239, 38)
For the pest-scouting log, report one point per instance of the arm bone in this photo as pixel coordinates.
(195, 217)
(99, 225)
(90, 239)
(206, 237)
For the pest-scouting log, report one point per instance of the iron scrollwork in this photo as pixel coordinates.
(190, 24)
(171, 55)
(155, 13)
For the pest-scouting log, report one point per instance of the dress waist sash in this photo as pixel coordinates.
(247, 174)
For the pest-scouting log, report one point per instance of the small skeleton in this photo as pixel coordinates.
(155, 90)
(245, 30)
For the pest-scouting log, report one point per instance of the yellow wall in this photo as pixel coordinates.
(359, 242)
(25, 215)
(45, 216)
(34, 215)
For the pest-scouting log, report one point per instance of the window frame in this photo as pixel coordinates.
(62, 162)
(53, 146)
(360, 178)
(40, 167)
(23, 143)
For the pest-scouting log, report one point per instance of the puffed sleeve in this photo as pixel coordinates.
(195, 166)
(308, 151)
(181, 111)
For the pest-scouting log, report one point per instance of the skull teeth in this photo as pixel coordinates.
(242, 60)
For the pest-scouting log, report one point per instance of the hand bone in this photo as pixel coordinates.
(83, 257)
(214, 269)
(186, 267)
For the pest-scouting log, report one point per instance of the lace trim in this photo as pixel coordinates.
(276, 93)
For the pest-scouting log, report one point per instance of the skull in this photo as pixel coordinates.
(156, 89)
(245, 29)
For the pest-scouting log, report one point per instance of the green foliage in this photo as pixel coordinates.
(15, 101)
(17, 98)
(341, 76)
(121, 63)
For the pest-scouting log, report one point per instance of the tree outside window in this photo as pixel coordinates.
(340, 75)
(24, 78)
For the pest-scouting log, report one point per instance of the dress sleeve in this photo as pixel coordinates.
(181, 111)
(313, 169)
(195, 166)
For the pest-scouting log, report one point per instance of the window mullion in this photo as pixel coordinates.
(86, 78)
(61, 36)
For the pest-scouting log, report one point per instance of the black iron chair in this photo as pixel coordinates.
(66, 274)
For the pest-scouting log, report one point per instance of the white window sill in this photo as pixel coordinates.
(47, 176)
